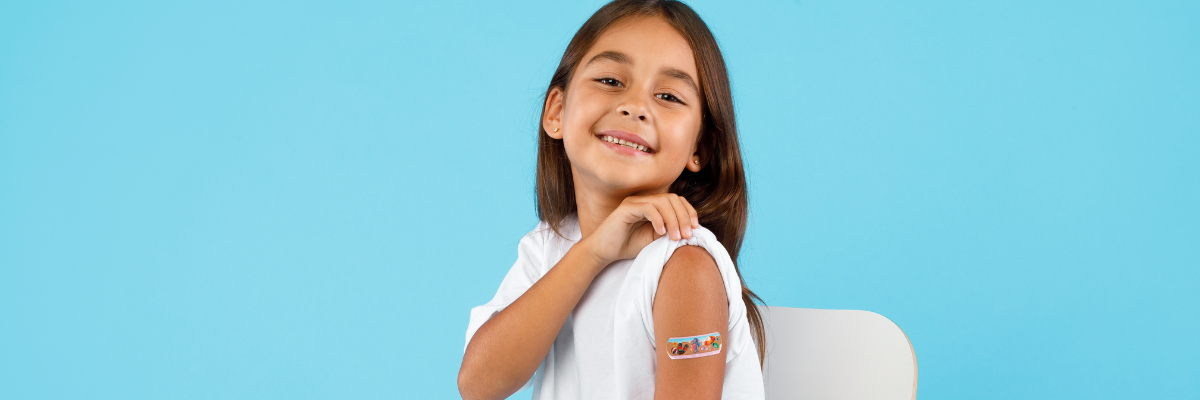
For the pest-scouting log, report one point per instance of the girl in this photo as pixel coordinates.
(642, 202)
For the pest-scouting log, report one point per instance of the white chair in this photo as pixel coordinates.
(836, 354)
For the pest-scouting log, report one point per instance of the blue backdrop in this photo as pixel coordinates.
(279, 200)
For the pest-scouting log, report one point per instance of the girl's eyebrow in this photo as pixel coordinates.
(680, 75)
(610, 55)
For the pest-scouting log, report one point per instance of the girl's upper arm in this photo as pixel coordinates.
(690, 303)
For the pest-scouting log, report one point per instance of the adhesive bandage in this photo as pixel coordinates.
(694, 346)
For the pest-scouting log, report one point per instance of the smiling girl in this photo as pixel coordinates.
(628, 288)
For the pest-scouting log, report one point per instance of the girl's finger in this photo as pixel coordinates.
(681, 213)
(651, 214)
(669, 217)
(692, 213)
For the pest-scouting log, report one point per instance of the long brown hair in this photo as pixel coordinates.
(718, 191)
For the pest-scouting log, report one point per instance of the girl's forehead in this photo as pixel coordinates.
(642, 42)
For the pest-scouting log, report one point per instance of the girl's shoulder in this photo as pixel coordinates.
(658, 253)
(544, 232)
(547, 243)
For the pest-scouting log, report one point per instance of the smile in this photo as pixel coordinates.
(620, 142)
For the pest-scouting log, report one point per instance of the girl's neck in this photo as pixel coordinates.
(592, 210)
(593, 205)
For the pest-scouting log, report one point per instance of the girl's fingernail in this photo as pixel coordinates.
(695, 222)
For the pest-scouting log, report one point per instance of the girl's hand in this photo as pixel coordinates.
(638, 221)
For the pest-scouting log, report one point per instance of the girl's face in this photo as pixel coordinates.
(638, 83)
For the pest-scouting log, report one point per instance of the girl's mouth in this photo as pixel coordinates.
(622, 143)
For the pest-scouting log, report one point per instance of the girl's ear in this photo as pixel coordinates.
(553, 112)
(694, 163)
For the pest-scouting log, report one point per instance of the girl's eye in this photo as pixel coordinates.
(609, 81)
(669, 97)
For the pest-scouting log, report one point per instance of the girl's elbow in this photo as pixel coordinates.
(469, 384)
(467, 387)
(473, 386)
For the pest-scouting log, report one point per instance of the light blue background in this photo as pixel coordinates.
(276, 200)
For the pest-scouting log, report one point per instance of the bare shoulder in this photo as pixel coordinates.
(691, 293)
(692, 273)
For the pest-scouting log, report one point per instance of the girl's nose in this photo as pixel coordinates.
(633, 105)
(640, 116)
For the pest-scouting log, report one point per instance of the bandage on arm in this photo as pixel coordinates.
(708, 344)
(692, 309)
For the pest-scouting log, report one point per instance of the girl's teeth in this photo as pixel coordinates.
(632, 145)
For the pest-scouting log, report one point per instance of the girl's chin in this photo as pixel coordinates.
(630, 183)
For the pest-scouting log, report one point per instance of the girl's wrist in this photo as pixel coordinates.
(594, 262)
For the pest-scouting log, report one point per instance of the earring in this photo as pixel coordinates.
(697, 162)
(555, 130)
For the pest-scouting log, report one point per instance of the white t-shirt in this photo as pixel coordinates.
(605, 349)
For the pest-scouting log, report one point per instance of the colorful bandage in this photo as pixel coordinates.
(694, 346)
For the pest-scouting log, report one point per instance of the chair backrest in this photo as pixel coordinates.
(836, 354)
